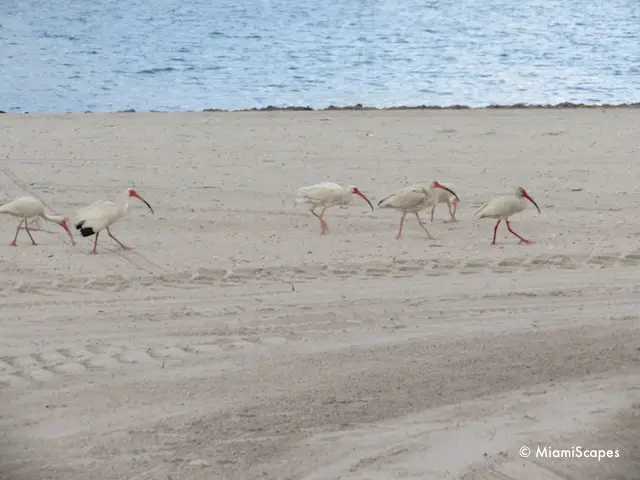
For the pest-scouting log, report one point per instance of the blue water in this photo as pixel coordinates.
(105, 55)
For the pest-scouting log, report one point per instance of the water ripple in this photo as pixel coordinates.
(169, 55)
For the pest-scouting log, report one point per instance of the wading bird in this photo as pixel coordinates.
(325, 195)
(504, 207)
(412, 200)
(27, 208)
(444, 196)
(91, 220)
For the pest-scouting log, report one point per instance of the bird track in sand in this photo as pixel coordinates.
(300, 274)
(220, 325)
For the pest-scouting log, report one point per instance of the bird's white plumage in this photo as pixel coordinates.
(325, 194)
(415, 198)
(99, 215)
(410, 199)
(84, 210)
(503, 207)
(23, 207)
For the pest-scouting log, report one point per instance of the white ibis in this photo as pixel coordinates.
(325, 195)
(102, 214)
(27, 208)
(444, 196)
(503, 207)
(412, 200)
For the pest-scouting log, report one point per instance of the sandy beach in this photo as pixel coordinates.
(236, 342)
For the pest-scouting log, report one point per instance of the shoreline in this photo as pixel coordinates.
(359, 106)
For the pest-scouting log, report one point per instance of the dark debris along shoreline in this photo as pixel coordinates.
(359, 106)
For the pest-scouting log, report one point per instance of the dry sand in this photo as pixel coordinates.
(235, 342)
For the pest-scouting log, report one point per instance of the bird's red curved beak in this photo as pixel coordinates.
(358, 192)
(64, 225)
(439, 185)
(135, 194)
(526, 195)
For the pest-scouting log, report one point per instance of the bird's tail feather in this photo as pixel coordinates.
(86, 231)
(480, 209)
(382, 203)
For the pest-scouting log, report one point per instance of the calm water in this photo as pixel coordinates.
(103, 55)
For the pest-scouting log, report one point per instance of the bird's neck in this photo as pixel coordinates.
(53, 218)
(125, 206)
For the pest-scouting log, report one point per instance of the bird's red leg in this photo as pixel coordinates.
(319, 217)
(425, 228)
(399, 235)
(325, 227)
(27, 229)
(13, 244)
(433, 210)
(453, 214)
(35, 229)
(521, 239)
(455, 206)
(495, 232)
(95, 244)
(124, 247)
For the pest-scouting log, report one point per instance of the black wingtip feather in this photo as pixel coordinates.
(87, 231)
(79, 225)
